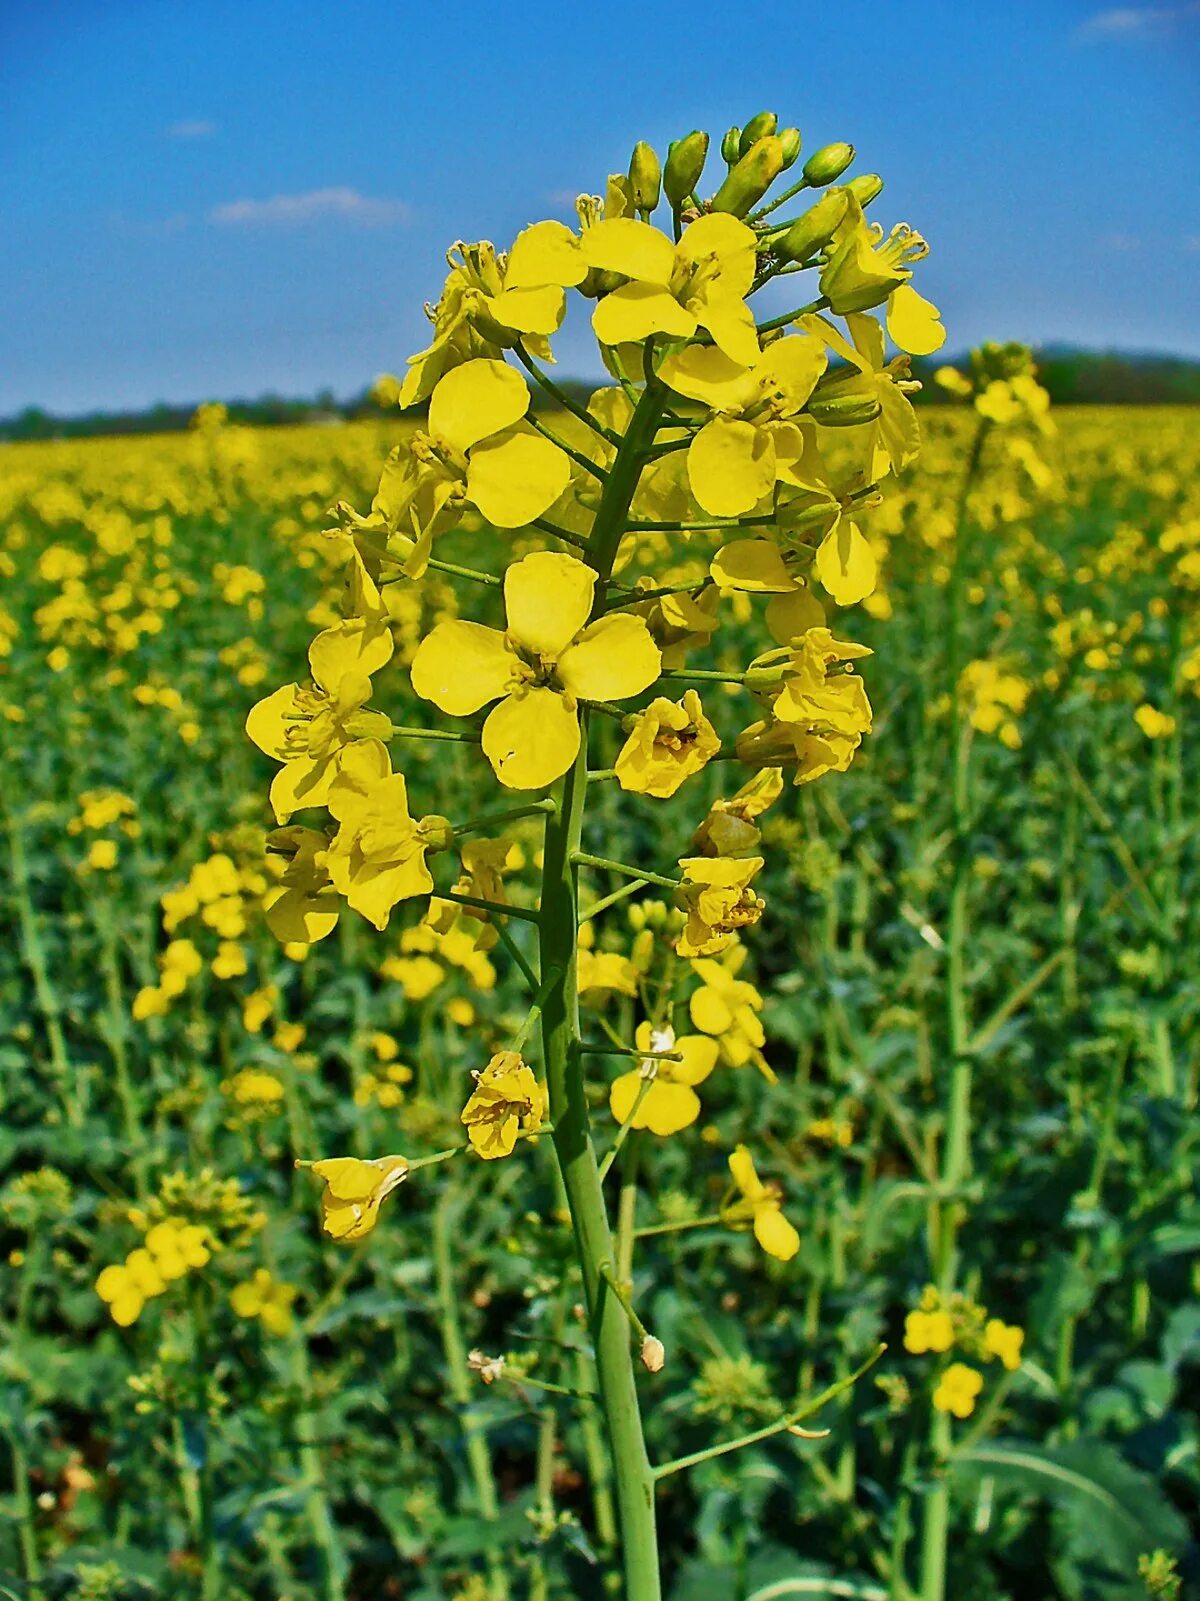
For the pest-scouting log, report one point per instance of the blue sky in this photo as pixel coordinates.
(201, 198)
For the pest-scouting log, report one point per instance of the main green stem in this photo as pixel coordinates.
(558, 938)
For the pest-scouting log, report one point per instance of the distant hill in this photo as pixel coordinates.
(1073, 377)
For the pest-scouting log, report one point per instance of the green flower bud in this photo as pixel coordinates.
(815, 228)
(757, 128)
(645, 176)
(749, 181)
(729, 146)
(866, 187)
(437, 832)
(790, 139)
(844, 402)
(685, 165)
(827, 164)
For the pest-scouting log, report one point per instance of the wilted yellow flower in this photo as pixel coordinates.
(548, 659)
(354, 1191)
(716, 895)
(304, 906)
(670, 1102)
(763, 1202)
(668, 742)
(729, 829)
(507, 1101)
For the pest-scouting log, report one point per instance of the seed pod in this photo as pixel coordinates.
(827, 164)
(645, 176)
(815, 228)
(866, 187)
(729, 146)
(749, 181)
(790, 139)
(685, 164)
(757, 128)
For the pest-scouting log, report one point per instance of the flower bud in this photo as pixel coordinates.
(844, 403)
(645, 176)
(815, 228)
(654, 1354)
(789, 138)
(729, 146)
(685, 164)
(641, 952)
(758, 127)
(827, 164)
(866, 187)
(749, 181)
(437, 832)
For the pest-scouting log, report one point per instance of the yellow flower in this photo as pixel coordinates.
(377, 856)
(958, 1390)
(303, 907)
(748, 444)
(507, 1100)
(548, 659)
(102, 855)
(716, 896)
(267, 1299)
(863, 269)
(729, 829)
(354, 1191)
(1153, 723)
(602, 972)
(772, 1230)
(810, 684)
(893, 437)
(1005, 1341)
(727, 1007)
(306, 726)
(675, 289)
(230, 960)
(928, 1331)
(127, 1286)
(668, 742)
(483, 864)
(669, 1103)
(149, 1002)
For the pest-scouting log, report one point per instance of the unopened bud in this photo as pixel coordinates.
(815, 228)
(789, 138)
(654, 1354)
(751, 178)
(685, 164)
(844, 403)
(866, 187)
(757, 128)
(645, 176)
(729, 146)
(436, 832)
(827, 164)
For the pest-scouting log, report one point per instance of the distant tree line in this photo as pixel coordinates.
(1073, 377)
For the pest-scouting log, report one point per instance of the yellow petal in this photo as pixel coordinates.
(528, 311)
(268, 722)
(545, 253)
(547, 598)
(775, 1234)
(705, 373)
(460, 666)
(515, 476)
(699, 1058)
(731, 466)
(741, 1165)
(846, 564)
(790, 367)
(731, 323)
(623, 1094)
(636, 310)
(753, 565)
(914, 322)
(531, 738)
(632, 248)
(897, 425)
(302, 917)
(730, 241)
(373, 891)
(668, 1107)
(613, 658)
(710, 1012)
(794, 613)
(475, 400)
(300, 783)
(357, 646)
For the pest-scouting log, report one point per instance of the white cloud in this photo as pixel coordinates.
(293, 210)
(1136, 22)
(198, 128)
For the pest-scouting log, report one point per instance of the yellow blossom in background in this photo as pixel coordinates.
(958, 1390)
(660, 1095)
(547, 660)
(994, 699)
(1153, 723)
(354, 1191)
(507, 1101)
(667, 743)
(764, 1204)
(1005, 1341)
(928, 1331)
(126, 1287)
(267, 1299)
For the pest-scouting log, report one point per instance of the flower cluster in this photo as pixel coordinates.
(937, 1327)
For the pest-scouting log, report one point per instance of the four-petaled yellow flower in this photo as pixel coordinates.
(305, 726)
(267, 1299)
(668, 742)
(1005, 1341)
(729, 829)
(763, 1202)
(675, 289)
(863, 269)
(668, 1102)
(958, 1390)
(548, 659)
(928, 1331)
(748, 444)
(354, 1191)
(507, 1101)
(727, 1007)
(716, 895)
